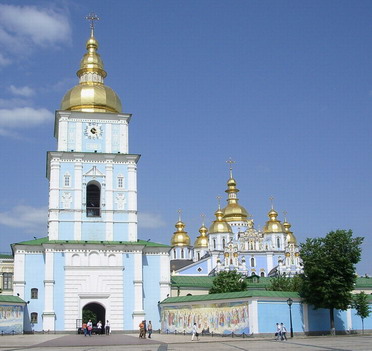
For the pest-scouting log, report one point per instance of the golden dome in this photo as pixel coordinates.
(220, 225)
(291, 239)
(233, 211)
(273, 225)
(202, 240)
(91, 95)
(180, 237)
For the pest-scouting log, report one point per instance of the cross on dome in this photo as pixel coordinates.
(271, 198)
(92, 17)
(231, 162)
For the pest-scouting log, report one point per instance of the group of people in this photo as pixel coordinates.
(88, 328)
(145, 329)
(280, 332)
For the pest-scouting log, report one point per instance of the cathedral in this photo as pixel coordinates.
(233, 243)
(91, 259)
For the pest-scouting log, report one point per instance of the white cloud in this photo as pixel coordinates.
(23, 117)
(150, 220)
(24, 27)
(22, 91)
(30, 219)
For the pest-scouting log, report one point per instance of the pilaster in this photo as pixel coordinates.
(48, 313)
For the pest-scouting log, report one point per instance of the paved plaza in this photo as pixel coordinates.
(164, 342)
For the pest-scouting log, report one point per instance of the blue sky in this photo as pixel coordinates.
(282, 87)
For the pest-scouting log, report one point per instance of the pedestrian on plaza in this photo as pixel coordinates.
(142, 329)
(107, 328)
(149, 329)
(90, 327)
(145, 329)
(84, 327)
(195, 333)
(283, 331)
(99, 327)
(277, 332)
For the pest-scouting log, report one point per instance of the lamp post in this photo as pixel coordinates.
(290, 302)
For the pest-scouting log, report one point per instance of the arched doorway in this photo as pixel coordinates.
(95, 312)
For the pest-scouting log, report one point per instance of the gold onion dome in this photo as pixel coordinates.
(220, 225)
(233, 211)
(202, 240)
(180, 237)
(91, 95)
(273, 225)
(291, 239)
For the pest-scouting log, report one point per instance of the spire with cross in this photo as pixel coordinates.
(231, 162)
(203, 218)
(92, 17)
(271, 198)
(219, 201)
(179, 215)
(285, 215)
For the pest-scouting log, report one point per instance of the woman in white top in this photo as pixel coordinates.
(194, 333)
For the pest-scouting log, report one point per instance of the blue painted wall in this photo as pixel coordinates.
(357, 321)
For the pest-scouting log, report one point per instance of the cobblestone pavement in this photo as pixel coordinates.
(163, 342)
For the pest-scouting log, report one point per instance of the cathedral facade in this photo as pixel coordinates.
(91, 259)
(233, 243)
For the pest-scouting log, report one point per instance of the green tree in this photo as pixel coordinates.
(228, 281)
(283, 283)
(88, 314)
(361, 305)
(329, 270)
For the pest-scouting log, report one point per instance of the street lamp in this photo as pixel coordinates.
(290, 302)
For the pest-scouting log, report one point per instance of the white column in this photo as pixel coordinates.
(78, 206)
(62, 133)
(269, 261)
(138, 313)
(49, 314)
(349, 320)
(54, 198)
(164, 282)
(109, 218)
(132, 202)
(305, 311)
(19, 274)
(253, 316)
(123, 147)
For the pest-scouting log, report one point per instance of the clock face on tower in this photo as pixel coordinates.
(93, 130)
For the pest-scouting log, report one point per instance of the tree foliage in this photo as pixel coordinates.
(228, 281)
(361, 305)
(283, 283)
(329, 270)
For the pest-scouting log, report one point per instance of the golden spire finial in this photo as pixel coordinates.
(285, 215)
(219, 201)
(92, 17)
(231, 162)
(271, 198)
(203, 218)
(179, 215)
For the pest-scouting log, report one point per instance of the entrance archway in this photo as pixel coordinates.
(95, 312)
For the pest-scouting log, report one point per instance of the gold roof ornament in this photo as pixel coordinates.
(219, 225)
(291, 239)
(202, 240)
(180, 237)
(273, 225)
(91, 94)
(233, 211)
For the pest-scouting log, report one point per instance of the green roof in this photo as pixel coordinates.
(363, 282)
(232, 295)
(10, 298)
(46, 240)
(6, 256)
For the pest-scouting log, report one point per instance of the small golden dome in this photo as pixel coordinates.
(202, 240)
(91, 95)
(273, 225)
(233, 211)
(291, 239)
(180, 237)
(220, 225)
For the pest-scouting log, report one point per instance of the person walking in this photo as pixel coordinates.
(99, 327)
(149, 329)
(107, 327)
(283, 331)
(90, 327)
(194, 333)
(277, 332)
(142, 329)
(84, 327)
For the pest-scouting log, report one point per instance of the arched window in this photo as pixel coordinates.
(223, 243)
(252, 262)
(198, 256)
(67, 181)
(278, 242)
(34, 317)
(93, 200)
(214, 243)
(262, 274)
(120, 181)
(174, 253)
(182, 254)
(34, 293)
(7, 281)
